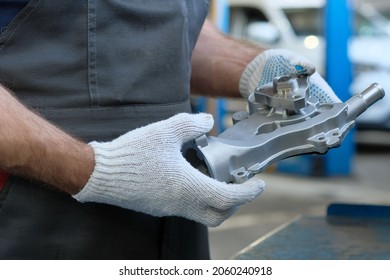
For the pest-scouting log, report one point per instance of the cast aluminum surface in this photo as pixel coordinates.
(282, 121)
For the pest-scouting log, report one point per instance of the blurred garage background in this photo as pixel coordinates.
(349, 42)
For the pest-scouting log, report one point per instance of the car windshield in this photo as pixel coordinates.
(310, 21)
(367, 27)
(306, 21)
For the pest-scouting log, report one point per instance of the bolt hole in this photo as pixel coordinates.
(335, 134)
(321, 138)
(240, 174)
(296, 96)
(283, 79)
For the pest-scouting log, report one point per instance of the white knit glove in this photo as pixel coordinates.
(277, 62)
(144, 170)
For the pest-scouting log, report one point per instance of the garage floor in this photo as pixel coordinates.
(288, 196)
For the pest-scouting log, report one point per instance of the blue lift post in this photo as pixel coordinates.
(338, 16)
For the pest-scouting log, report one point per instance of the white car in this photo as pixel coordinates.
(298, 25)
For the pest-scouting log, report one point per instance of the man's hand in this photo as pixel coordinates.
(144, 170)
(276, 62)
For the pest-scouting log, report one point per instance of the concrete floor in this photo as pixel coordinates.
(288, 196)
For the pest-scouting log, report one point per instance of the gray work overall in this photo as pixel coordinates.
(97, 69)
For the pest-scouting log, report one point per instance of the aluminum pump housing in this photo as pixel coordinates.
(282, 120)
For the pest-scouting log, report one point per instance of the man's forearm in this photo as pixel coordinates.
(218, 62)
(32, 147)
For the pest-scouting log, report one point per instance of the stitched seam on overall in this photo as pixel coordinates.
(92, 67)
